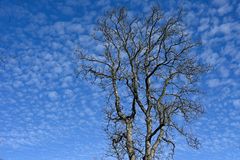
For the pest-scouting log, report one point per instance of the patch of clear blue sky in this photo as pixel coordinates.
(46, 113)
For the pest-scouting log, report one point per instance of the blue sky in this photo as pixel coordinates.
(46, 113)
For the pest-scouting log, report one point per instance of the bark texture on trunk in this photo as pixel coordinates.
(129, 142)
(148, 139)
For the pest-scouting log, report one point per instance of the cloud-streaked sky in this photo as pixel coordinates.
(47, 113)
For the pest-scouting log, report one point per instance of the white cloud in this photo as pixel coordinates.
(56, 45)
(237, 71)
(73, 27)
(225, 9)
(204, 24)
(225, 28)
(89, 111)
(224, 71)
(59, 27)
(213, 83)
(69, 93)
(220, 2)
(18, 84)
(210, 57)
(53, 95)
(238, 9)
(66, 10)
(58, 69)
(236, 102)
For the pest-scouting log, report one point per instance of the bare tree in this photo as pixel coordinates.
(151, 76)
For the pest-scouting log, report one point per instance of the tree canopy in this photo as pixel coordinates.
(151, 76)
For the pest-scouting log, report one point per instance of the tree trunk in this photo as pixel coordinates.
(148, 140)
(129, 142)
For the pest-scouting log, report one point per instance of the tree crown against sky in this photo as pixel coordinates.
(147, 66)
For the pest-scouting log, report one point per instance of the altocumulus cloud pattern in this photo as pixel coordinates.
(47, 113)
